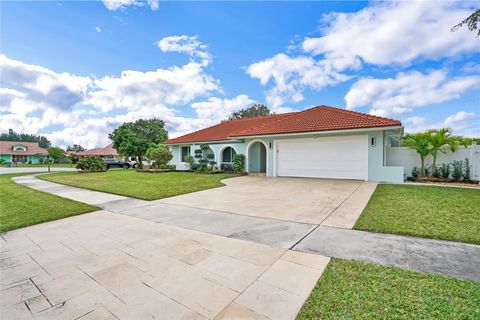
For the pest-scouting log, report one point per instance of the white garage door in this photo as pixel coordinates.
(332, 157)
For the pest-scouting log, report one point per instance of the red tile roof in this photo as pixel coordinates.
(223, 130)
(6, 147)
(321, 118)
(105, 151)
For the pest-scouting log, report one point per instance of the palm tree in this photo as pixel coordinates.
(439, 140)
(420, 142)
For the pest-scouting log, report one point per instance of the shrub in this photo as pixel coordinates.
(457, 172)
(415, 172)
(467, 170)
(198, 154)
(226, 167)
(238, 163)
(191, 162)
(91, 164)
(435, 172)
(159, 154)
(445, 170)
(167, 167)
(2, 161)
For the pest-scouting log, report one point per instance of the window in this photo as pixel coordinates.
(185, 153)
(228, 154)
(19, 147)
(19, 158)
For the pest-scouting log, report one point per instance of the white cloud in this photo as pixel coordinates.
(185, 44)
(291, 75)
(386, 33)
(84, 110)
(135, 89)
(98, 29)
(462, 123)
(408, 90)
(123, 4)
(217, 109)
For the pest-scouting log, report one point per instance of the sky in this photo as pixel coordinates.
(75, 70)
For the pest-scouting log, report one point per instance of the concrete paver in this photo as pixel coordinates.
(105, 265)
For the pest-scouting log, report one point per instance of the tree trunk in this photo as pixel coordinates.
(422, 158)
(139, 162)
(434, 163)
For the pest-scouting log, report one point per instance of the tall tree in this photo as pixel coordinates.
(471, 22)
(440, 139)
(255, 110)
(25, 137)
(134, 138)
(75, 148)
(420, 142)
(56, 153)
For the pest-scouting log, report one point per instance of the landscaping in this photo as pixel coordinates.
(357, 290)
(423, 211)
(140, 185)
(22, 206)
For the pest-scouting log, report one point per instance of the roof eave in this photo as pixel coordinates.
(319, 132)
(229, 140)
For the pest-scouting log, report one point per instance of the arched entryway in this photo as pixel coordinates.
(257, 158)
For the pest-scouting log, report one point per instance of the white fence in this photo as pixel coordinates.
(408, 158)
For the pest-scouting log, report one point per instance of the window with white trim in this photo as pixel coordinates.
(228, 154)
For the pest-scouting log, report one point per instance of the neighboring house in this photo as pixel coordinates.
(321, 142)
(22, 152)
(107, 152)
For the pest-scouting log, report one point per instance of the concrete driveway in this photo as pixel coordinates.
(315, 201)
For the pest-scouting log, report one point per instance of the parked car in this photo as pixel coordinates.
(115, 163)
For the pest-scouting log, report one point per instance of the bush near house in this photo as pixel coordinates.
(94, 164)
(160, 155)
(239, 163)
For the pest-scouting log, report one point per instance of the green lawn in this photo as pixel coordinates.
(141, 185)
(424, 211)
(357, 290)
(21, 206)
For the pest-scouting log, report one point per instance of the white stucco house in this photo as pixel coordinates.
(321, 142)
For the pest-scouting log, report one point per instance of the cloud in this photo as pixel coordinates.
(290, 76)
(123, 4)
(98, 29)
(31, 101)
(461, 123)
(135, 89)
(185, 44)
(408, 90)
(387, 33)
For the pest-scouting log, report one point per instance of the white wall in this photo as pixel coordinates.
(408, 158)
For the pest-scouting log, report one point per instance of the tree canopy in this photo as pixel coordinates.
(134, 138)
(75, 148)
(255, 110)
(25, 137)
(471, 22)
(56, 153)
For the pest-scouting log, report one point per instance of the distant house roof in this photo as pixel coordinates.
(321, 118)
(105, 151)
(32, 148)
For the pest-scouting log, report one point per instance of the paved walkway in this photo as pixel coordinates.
(420, 254)
(6, 170)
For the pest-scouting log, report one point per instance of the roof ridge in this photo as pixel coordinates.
(287, 115)
(365, 115)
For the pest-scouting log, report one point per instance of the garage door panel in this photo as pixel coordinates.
(337, 157)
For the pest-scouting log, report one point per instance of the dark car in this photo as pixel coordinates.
(114, 163)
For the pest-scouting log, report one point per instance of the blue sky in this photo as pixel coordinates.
(75, 70)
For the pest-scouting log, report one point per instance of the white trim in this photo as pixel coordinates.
(232, 140)
(275, 135)
(221, 151)
(247, 164)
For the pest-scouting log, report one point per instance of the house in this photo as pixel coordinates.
(107, 152)
(22, 152)
(321, 142)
